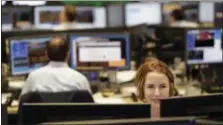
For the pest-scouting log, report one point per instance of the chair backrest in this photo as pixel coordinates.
(44, 97)
(69, 96)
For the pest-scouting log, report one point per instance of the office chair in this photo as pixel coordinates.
(43, 97)
(69, 96)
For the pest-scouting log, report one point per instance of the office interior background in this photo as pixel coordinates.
(131, 31)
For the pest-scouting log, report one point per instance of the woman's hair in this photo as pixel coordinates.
(152, 65)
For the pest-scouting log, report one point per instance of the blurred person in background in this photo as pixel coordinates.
(67, 18)
(177, 19)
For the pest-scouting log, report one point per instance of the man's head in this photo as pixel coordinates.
(57, 49)
(68, 14)
(177, 15)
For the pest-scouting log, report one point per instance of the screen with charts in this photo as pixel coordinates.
(28, 54)
(204, 46)
(47, 17)
(100, 51)
(145, 12)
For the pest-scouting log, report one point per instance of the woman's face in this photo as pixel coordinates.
(156, 87)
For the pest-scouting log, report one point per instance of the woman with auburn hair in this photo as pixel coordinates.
(154, 82)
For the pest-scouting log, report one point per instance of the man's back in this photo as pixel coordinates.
(55, 77)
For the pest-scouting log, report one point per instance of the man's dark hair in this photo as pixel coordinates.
(57, 49)
(70, 13)
(178, 14)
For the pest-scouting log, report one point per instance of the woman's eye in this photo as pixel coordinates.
(150, 86)
(162, 86)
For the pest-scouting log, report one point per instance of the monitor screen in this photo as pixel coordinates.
(206, 15)
(7, 22)
(29, 3)
(100, 51)
(13, 14)
(145, 12)
(47, 17)
(204, 46)
(28, 54)
(91, 17)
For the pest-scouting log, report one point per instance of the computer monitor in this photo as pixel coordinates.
(206, 15)
(7, 21)
(140, 121)
(13, 14)
(170, 46)
(143, 12)
(52, 112)
(28, 53)
(203, 105)
(29, 3)
(204, 46)
(47, 17)
(115, 15)
(218, 14)
(100, 51)
(91, 17)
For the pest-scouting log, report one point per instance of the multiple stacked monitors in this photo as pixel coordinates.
(204, 46)
(144, 12)
(95, 51)
(28, 54)
(47, 17)
(99, 51)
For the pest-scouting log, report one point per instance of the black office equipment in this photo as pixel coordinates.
(206, 105)
(170, 43)
(4, 114)
(141, 121)
(54, 112)
(140, 36)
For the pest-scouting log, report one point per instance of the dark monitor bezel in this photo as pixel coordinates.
(140, 121)
(187, 106)
(90, 111)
